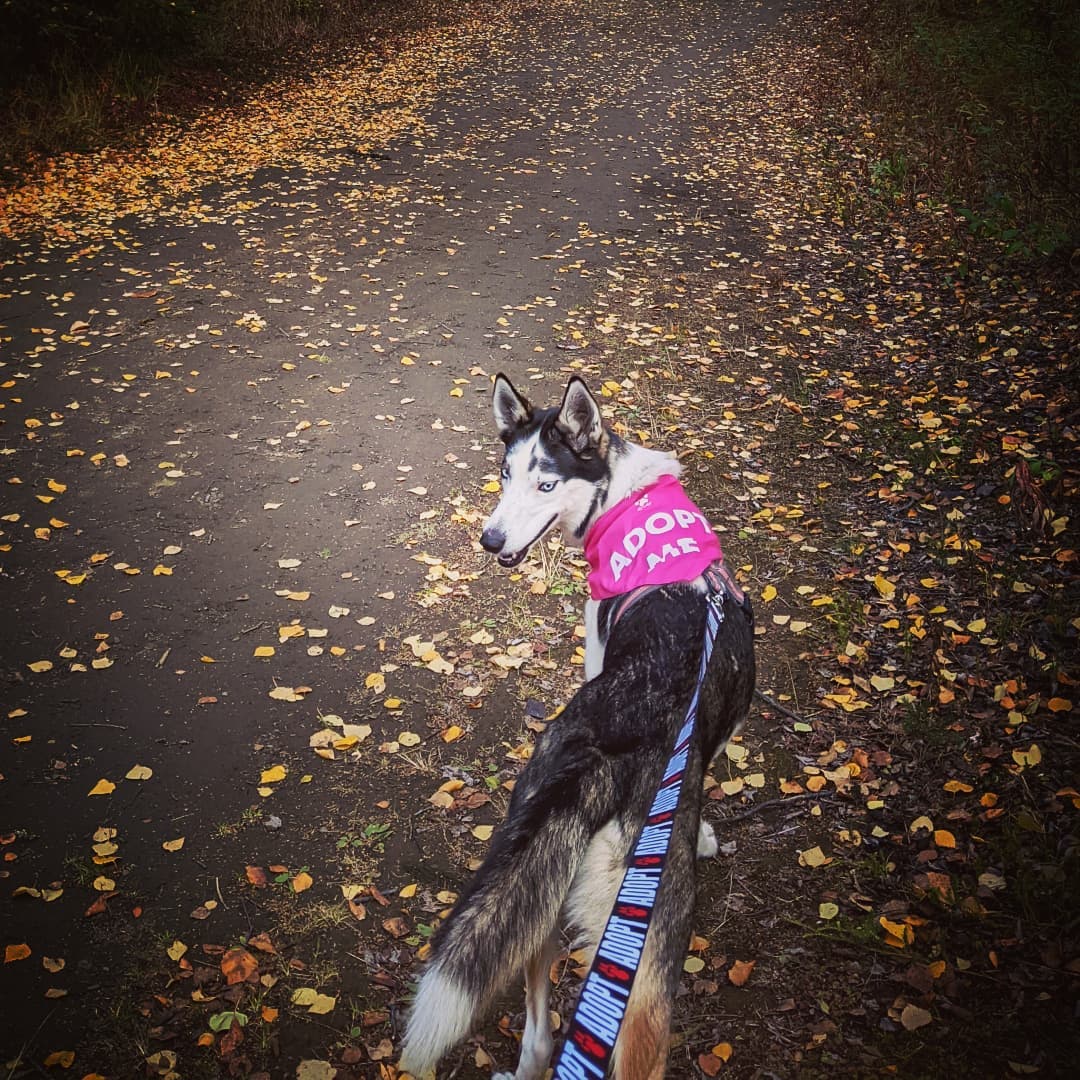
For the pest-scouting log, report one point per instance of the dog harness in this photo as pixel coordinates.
(655, 536)
(594, 1027)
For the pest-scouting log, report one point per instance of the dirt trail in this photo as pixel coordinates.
(246, 446)
(261, 408)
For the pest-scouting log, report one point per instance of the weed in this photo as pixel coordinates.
(372, 837)
(927, 729)
(845, 615)
(520, 618)
(79, 871)
(426, 762)
(250, 816)
(875, 868)
(557, 577)
(890, 177)
(417, 533)
(863, 932)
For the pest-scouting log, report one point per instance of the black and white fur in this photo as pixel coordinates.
(557, 860)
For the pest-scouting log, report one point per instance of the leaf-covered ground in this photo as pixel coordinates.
(264, 697)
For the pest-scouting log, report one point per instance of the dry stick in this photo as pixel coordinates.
(774, 704)
(757, 808)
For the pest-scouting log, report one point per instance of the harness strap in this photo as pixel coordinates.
(717, 576)
(594, 1027)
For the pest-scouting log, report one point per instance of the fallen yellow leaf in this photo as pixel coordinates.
(814, 857)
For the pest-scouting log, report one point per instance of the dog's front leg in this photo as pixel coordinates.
(594, 644)
(707, 845)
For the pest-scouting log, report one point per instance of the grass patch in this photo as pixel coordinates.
(77, 74)
(979, 101)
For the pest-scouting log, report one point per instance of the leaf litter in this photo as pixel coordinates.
(877, 415)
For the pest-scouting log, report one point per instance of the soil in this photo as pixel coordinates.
(264, 413)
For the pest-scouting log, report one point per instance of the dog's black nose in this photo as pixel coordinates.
(492, 540)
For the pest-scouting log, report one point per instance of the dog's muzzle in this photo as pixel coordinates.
(494, 541)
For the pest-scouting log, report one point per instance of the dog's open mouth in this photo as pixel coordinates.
(511, 559)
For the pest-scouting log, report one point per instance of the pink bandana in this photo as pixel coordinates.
(656, 536)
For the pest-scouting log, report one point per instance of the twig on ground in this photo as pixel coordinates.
(757, 808)
(21, 1058)
(774, 704)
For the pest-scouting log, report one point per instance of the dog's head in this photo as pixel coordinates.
(554, 473)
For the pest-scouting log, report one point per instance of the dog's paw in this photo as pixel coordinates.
(707, 845)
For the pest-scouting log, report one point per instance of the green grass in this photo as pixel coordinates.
(249, 816)
(927, 729)
(978, 101)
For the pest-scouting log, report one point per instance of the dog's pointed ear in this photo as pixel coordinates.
(512, 411)
(579, 421)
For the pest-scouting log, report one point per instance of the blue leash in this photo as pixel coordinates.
(594, 1027)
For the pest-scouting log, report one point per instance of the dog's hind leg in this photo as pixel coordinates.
(642, 1046)
(536, 1041)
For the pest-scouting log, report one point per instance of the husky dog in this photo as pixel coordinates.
(558, 859)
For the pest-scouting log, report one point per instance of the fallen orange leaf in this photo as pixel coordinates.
(238, 965)
(740, 972)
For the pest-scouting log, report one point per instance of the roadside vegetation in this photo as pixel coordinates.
(76, 75)
(977, 102)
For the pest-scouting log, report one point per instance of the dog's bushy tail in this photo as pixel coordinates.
(510, 909)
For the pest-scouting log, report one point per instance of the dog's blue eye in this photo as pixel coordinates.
(547, 485)
(504, 472)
